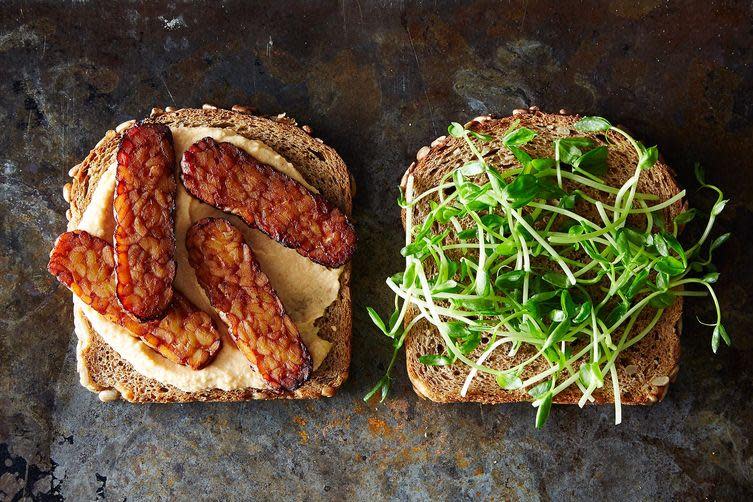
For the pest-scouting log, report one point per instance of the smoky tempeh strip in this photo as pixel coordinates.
(228, 178)
(227, 270)
(143, 208)
(85, 264)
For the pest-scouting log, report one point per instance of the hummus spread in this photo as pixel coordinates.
(305, 288)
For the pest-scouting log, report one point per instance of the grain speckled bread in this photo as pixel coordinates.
(644, 370)
(103, 369)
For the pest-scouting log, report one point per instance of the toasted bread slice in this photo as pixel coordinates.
(103, 370)
(644, 370)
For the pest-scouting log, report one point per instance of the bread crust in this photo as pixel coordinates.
(644, 370)
(101, 368)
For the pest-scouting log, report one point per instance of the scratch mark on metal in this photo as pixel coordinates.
(168, 89)
(423, 82)
(345, 17)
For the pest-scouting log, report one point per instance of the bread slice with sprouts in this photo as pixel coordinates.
(522, 371)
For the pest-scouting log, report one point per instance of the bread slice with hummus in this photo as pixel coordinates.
(317, 298)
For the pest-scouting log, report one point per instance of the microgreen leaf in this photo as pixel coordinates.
(719, 241)
(542, 163)
(382, 386)
(584, 312)
(638, 283)
(590, 375)
(648, 158)
(568, 201)
(509, 381)
(457, 329)
(567, 303)
(559, 332)
(593, 161)
(617, 312)
(661, 245)
(685, 216)
(662, 281)
(711, 277)
(570, 148)
(662, 301)
(473, 168)
(540, 389)
(557, 279)
(522, 191)
(700, 175)
(481, 136)
(718, 207)
(456, 130)
(542, 414)
(670, 266)
(510, 280)
(493, 221)
(719, 332)
(435, 360)
(518, 137)
(410, 275)
(507, 247)
(470, 344)
(524, 159)
(592, 124)
(376, 320)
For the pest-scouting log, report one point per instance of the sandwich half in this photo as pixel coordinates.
(315, 297)
(644, 370)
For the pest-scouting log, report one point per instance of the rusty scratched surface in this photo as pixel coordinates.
(377, 80)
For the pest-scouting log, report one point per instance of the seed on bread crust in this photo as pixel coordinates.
(660, 381)
(125, 125)
(144, 232)
(256, 319)
(223, 175)
(85, 264)
(243, 109)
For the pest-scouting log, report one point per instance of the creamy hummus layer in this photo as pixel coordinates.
(305, 288)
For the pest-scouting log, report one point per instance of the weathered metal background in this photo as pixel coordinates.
(377, 80)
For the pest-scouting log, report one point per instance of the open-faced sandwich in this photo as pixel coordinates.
(542, 263)
(208, 255)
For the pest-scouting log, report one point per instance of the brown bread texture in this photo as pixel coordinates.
(644, 370)
(102, 368)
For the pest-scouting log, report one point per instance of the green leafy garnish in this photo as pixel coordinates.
(502, 264)
(593, 124)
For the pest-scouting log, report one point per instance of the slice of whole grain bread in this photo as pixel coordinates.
(101, 368)
(644, 371)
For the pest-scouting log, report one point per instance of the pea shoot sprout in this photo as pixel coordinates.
(506, 260)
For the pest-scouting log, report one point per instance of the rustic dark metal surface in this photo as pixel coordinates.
(377, 81)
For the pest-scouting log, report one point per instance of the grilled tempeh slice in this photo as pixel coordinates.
(223, 175)
(143, 207)
(227, 270)
(84, 264)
